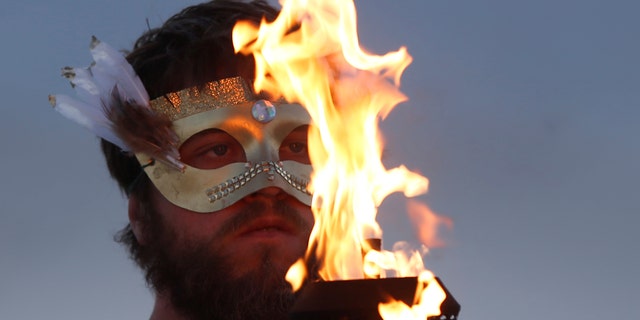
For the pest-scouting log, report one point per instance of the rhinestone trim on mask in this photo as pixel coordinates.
(270, 167)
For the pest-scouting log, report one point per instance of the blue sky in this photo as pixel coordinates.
(523, 114)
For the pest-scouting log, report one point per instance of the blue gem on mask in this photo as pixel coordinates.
(263, 111)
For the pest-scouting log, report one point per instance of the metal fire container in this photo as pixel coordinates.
(359, 299)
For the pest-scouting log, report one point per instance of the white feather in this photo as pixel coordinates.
(111, 63)
(87, 116)
(83, 82)
(95, 87)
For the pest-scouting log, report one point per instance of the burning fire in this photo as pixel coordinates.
(311, 54)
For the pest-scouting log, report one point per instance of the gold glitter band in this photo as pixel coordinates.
(213, 95)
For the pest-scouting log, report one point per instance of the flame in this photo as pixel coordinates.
(311, 55)
(296, 274)
(427, 223)
(430, 294)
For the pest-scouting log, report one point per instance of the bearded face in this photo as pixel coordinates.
(220, 233)
(229, 264)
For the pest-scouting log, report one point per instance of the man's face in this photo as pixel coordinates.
(222, 233)
(228, 264)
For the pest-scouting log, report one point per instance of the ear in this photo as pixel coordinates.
(136, 221)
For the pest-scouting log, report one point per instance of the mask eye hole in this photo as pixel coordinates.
(294, 146)
(211, 149)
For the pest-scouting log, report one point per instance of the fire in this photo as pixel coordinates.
(427, 223)
(311, 54)
(429, 300)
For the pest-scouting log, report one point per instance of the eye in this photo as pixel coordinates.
(294, 146)
(219, 149)
(211, 149)
(298, 147)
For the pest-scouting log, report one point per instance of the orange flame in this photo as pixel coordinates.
(427, 223)
(311, 54)
(428, 304)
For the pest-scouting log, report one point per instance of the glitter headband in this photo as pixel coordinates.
(213, 95)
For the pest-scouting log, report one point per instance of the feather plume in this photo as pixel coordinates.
(88, 116)
(114, 105)
(144, 131)
(113, 65)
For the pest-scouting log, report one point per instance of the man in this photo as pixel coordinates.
(215, 228)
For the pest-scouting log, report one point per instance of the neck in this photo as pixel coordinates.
(164, 310)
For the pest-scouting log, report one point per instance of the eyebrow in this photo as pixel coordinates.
(204, 133)
(193, 144)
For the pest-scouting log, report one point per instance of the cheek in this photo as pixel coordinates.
(195, 227)
(305, 212)
(186, 225)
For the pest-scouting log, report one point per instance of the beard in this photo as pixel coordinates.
(199, 278)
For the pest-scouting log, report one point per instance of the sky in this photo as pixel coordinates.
(523, 115)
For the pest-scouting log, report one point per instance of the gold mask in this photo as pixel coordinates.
(259, 126)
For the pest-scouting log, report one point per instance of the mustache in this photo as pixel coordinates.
(260, 208)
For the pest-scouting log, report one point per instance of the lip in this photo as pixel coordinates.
(267, 227)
